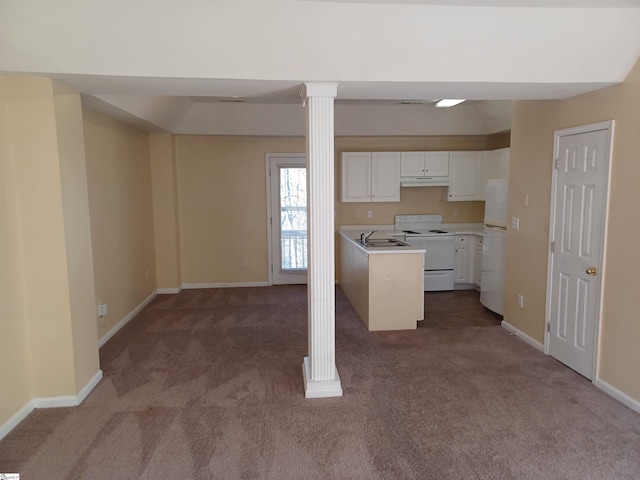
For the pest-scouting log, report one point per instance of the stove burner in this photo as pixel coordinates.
(410, 232)
(437, 231)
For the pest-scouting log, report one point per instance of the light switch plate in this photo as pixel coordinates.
(515, 223)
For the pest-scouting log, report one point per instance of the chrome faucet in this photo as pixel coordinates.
(365, 236)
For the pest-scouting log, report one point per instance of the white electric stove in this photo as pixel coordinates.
(425, 231)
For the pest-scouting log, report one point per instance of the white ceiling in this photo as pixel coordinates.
(171, 65)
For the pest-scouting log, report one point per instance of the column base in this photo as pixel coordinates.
(320, 389)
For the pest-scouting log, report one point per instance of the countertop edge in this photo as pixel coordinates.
(382, 250)
(464, 228)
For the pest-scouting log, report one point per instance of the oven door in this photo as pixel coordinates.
(441, 251)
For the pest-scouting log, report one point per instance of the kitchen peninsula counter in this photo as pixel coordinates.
(383, 284)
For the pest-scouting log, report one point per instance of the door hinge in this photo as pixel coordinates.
(553, 247)
(548, 326)
(557, 164)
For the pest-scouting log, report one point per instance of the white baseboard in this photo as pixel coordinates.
(88, 388)
(69, 400)
(50, 402)
(190, 286)
(13, 422)
(125, 320)
(526, 338)
(630, 402)
(169, 291)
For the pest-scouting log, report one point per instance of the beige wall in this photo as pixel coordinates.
(73, 176)
(222, 205)
(165, 211)
(15, 374)
(121, 209)
(48, 338)
(222, 198)
(533, 127)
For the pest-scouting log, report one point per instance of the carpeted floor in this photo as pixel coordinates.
(207, 384)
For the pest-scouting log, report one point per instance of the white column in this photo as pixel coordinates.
(321, 377)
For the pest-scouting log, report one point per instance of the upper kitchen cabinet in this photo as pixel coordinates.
(424, 164)
(465, 176)
(370, 177)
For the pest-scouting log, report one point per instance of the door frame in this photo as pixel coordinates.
(268, 157)
(593, 127)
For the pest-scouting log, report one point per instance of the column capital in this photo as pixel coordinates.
(319, 89)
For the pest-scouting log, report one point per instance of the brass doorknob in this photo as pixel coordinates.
(592, 271)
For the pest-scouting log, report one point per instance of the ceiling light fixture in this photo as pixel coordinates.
(448, 102)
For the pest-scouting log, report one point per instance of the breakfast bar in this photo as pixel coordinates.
(383, 280)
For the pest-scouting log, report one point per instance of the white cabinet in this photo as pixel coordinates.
(465, 267)
(370, 177)
(385, 177)
(461, 269)
(477, 259)
(424, 164)
(465, 176)
(356, 177)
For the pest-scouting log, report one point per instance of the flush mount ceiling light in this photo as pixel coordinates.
(448, 102)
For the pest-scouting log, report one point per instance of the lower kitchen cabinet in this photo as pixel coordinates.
(464, 267)
(461, 266)
(477, 259)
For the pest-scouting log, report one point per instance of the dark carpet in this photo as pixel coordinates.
(207, 384)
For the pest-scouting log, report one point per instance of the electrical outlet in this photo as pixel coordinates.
(520, 301)
(370, 214)
(525, 200)
(515, 223)
(456, 212)
(357, 213)
(102, 309)
(245, 262)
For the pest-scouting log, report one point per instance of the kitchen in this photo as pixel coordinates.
(454, 258)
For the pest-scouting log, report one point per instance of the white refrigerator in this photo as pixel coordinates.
(493, 250)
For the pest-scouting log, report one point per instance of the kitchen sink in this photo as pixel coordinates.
(385, 242)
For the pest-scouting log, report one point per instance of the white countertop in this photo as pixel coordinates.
(464, 228)
(354, 236)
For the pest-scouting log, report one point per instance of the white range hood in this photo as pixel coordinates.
(424, 181)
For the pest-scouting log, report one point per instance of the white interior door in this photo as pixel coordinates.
(577, 236)
(288, 218)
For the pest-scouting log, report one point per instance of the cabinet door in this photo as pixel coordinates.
(385, 177)
(461, 266)
(436, 164)
(477, 260)
(465, 176)
(356, 177)
(412, 164)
